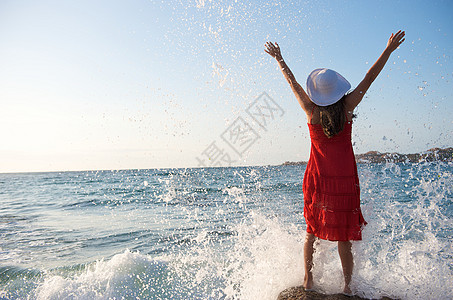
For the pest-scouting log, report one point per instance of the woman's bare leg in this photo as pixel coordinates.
(308, 260)
(344, 249)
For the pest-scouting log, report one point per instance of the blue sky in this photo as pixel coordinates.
(152, 84)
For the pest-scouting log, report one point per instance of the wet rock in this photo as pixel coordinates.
(298, 293)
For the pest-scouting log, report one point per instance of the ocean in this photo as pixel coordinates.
(217, 233)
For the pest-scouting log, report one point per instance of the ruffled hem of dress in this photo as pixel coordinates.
(337, 236)
(335, 226)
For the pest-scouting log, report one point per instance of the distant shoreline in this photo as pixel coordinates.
(435, 154)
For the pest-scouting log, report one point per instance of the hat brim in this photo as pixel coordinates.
(342, 86)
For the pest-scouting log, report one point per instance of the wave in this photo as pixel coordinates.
(126, 275)
(245, 241)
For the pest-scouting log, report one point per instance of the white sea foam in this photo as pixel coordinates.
(266, 258)
(128, 274)
(261, 259)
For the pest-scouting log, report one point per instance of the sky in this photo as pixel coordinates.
(88, 85)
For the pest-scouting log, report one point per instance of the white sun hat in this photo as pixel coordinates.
(325, 86)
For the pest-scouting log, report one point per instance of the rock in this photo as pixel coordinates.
(435, 154)
(298, 293)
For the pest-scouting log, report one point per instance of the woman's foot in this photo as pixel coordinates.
(347, 291)
(308, 282)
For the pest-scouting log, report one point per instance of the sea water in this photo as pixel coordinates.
(217, 233)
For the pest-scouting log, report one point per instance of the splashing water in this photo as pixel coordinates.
(219, 233)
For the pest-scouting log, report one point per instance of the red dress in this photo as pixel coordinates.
(331, 187)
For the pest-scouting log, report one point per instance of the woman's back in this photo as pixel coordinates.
(332, 156)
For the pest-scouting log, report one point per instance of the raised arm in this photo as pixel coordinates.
(301, 96)
(353, 99)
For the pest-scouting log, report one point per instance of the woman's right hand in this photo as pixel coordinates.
(273, 50)
(395, 40)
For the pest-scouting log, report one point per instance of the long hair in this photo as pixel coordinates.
(333, 117)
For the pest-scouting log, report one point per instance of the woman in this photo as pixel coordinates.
(331, 185)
